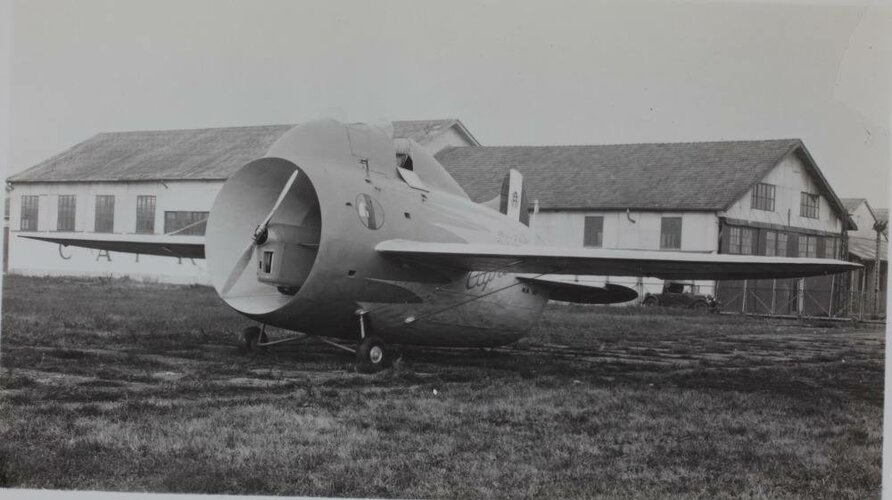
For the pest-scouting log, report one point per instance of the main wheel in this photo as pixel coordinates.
(372, 355)
(649, 301)
(251, 336)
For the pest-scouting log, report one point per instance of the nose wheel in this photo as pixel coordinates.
(251, 337)
(372, 355)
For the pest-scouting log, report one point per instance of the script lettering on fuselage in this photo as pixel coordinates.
(482, 279)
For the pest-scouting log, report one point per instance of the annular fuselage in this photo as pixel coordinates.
(317, 271)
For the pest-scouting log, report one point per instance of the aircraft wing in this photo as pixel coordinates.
(608, 262)
(187, 247)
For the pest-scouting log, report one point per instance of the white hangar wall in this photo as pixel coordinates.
(819, 236)
(865, 220)
(37, 258)
(790, 178)
(635, 230)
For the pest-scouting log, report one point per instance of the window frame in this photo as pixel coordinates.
(770, 243)
(104, 215)
(763, 197)
(809, 205)
(808, 246)
(28, 212)
(783, 242)
(145, 214)
(194, 217)
(665, 241)
(66, 212)
(592, 221)
(734, 237)
(747, 239)
(741, 240)
(831, 247)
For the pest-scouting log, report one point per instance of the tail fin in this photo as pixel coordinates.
(513, 200)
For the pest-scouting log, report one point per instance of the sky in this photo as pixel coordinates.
(514, 72)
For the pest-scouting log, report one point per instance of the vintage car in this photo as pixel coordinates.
(677, 294)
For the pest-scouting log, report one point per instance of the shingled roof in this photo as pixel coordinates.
(852, 204)
(708, 176)
(192, 154)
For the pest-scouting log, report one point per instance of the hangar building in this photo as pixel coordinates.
(745, 197)
(737, 197)
(863, 250)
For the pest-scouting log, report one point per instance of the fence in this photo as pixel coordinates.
(827, 296)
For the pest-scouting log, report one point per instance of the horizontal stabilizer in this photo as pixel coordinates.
(608, 262)
(186, 247)
(580, 293)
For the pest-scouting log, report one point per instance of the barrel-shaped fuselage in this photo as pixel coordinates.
(317, 269)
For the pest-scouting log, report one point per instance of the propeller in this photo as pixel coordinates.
(259, 237)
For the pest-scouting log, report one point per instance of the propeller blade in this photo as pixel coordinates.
(237, 270)
(280, 200)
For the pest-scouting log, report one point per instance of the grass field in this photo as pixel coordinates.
(116, 385)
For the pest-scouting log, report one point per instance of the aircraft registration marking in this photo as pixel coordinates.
(481, 279)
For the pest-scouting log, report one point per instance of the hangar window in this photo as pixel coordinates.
(782, 244)
(831, 248)
(145, 214)
(808, 246)
(741, 241)
(29, 212)
(670, 232)
(734, 244)
(808, 205)
(67, 207)
(763, 197)
(746, 241)
(594, 232)
(105, 213)
(185, 223)
(770, 243)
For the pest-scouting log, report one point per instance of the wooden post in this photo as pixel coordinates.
(879, 227)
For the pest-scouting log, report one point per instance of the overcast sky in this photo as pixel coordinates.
(513, 72)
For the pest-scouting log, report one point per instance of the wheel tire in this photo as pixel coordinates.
(700, 306)
(372, 355)
(649, 301)
(251, 336)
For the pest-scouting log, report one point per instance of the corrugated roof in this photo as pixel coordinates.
(192, 154)
(866, 248)
(706, 176)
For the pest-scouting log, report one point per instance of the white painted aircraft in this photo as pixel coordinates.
(353, 235)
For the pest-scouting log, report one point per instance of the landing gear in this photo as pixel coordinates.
(251, 336)
(372, 355)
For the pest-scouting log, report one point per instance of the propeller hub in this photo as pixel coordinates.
(260, 235)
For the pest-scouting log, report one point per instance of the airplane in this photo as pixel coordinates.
(355, 236)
